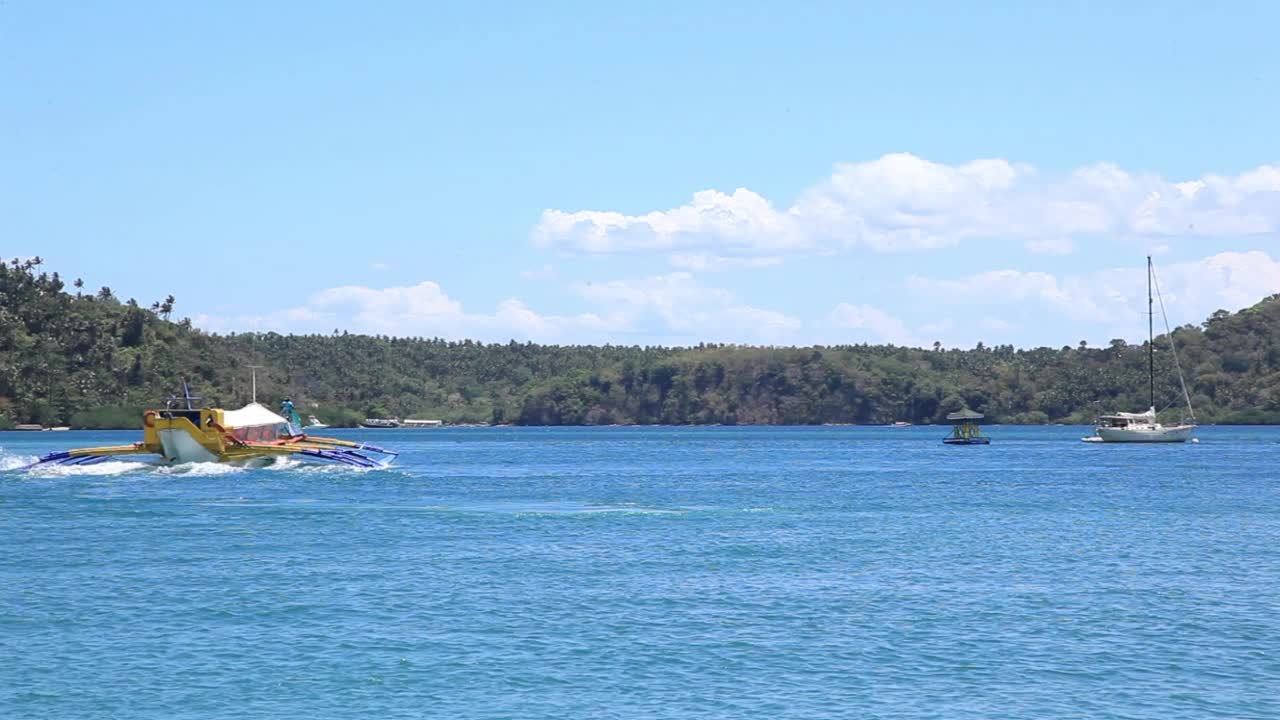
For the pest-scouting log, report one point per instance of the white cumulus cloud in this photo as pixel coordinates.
(903, 202)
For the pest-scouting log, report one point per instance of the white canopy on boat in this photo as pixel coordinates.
(1148, 415)
(251, 415)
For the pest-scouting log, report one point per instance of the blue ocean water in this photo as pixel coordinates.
(651, 573)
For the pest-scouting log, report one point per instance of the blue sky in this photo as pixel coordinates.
(671, 173)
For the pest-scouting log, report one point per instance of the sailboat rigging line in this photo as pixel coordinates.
(1151, 335)
(1177, 366)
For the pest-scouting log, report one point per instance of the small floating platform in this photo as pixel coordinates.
(966, 431)
(967, 441)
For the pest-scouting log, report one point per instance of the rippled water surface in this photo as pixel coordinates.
(646, 573)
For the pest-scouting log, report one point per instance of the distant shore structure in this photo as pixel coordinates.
(392, 423)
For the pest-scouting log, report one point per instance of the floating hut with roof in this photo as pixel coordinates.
(966, 430)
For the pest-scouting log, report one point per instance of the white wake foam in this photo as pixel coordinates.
(283, 463)
(13, 462)
(109, 467)
(199, 469)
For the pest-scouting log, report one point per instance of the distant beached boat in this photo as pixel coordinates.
(393, 423)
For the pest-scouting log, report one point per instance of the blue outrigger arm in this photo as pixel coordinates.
(358, 457)
(88, 456)
(362, 456)
(66, 458)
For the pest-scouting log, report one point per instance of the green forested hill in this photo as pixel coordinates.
(86, 358)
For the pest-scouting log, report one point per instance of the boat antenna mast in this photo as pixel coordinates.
(253, 369)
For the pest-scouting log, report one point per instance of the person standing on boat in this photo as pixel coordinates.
(290, 414)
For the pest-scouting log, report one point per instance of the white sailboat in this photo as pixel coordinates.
(1145, 427)
(1140, 428)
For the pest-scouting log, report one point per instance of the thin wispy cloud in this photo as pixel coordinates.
(1114, 300)
(870, 324)
(424, 309)
(1054, 246)
(664, 309)
(679, 305)
(996, 306)
(709, 262)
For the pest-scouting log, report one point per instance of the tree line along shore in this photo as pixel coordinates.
(85, 358)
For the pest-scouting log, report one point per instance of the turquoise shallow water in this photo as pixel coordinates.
(652, 573)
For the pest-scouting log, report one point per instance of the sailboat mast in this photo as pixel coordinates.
(1151, 338)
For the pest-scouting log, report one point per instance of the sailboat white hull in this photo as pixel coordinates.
(1157, 434)
(1145, 427)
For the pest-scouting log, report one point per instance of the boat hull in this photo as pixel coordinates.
(228, 436)
(180, 446)
(1170, 434)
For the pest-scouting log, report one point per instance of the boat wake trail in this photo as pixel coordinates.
(199, 469)
(107, 468)
(14, 462)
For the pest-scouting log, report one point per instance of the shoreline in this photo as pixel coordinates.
(474, 426)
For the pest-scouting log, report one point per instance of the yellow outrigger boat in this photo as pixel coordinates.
(231, 436)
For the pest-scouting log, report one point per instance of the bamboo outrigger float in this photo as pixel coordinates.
(230, 436)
